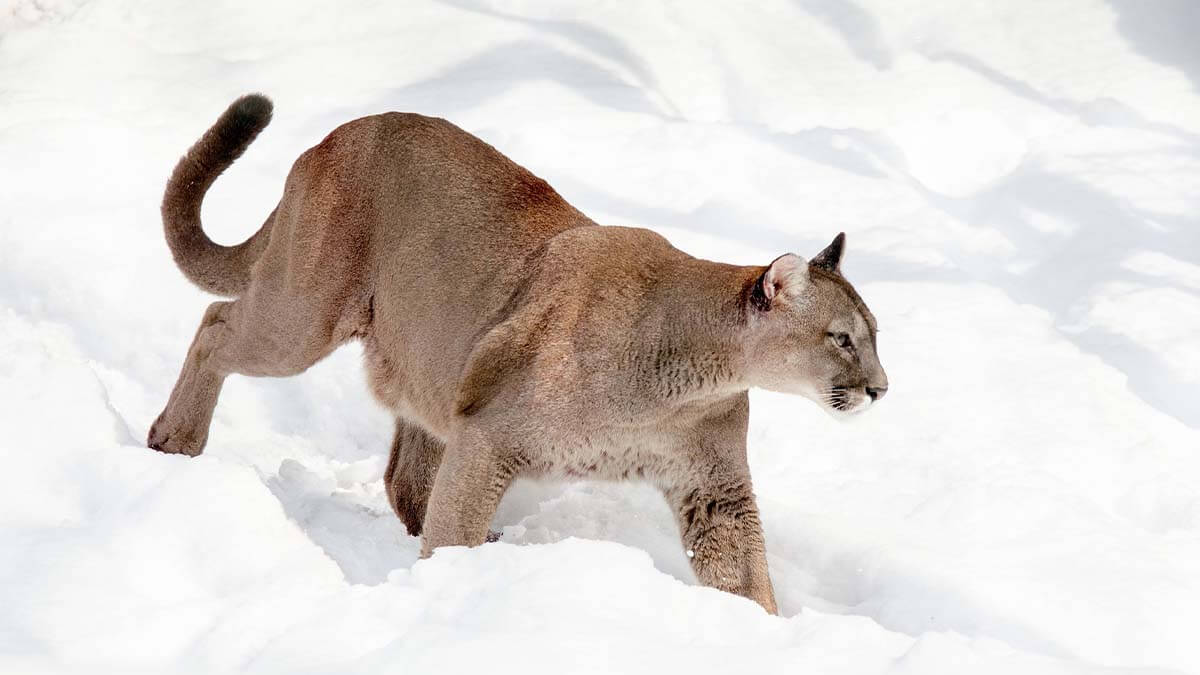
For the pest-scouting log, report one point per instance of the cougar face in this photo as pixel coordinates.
(811, 334)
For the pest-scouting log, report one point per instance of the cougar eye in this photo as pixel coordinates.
(842, 340)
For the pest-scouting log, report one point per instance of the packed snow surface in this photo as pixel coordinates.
(1020, 186)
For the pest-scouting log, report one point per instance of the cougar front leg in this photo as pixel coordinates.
(714, 506)
(721, 531)
(474, 474)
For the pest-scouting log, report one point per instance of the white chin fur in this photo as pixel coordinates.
(846, 415)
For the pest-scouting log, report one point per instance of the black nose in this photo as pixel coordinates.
(876, 393)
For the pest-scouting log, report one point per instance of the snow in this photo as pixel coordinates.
(1019, 183)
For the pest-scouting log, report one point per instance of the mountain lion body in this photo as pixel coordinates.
(509, 333)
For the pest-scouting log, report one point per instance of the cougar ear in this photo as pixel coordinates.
(831, 258)
(788, 274)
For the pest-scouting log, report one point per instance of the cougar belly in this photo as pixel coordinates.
(611, 454)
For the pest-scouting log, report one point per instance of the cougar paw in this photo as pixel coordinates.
(176, 442)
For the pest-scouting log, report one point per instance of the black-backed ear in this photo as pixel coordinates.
(787, 274)
(831, 258)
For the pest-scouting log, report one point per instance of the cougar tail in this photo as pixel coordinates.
(223, 270)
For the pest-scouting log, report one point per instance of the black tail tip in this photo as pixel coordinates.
(255, 108)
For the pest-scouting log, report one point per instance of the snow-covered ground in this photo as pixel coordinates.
(1020, 185)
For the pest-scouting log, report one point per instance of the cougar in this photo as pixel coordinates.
(508, 333)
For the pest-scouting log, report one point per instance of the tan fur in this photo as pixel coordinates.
(509, 333)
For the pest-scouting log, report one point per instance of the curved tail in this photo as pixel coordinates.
(223, 270)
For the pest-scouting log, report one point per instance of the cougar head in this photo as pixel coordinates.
(811, 334)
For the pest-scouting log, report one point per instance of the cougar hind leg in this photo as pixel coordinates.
(232, 338)
(410, 473)
(182, 427)
(278, 328)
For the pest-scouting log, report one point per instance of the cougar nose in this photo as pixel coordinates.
(876, 393)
